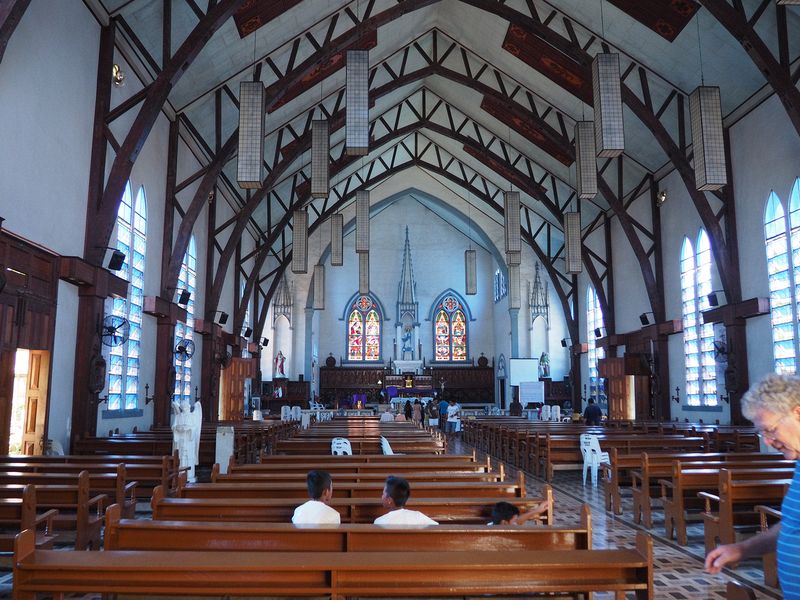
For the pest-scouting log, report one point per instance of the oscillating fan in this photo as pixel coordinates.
(184, 349)
(115, 330)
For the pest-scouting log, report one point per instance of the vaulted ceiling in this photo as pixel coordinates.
(481, 93)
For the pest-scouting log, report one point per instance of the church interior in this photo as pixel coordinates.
(260, 215)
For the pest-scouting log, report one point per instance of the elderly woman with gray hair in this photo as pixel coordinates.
(773, 405)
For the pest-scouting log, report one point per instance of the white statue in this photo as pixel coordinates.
(186, 427)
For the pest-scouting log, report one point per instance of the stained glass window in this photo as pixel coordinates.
(782, 268)
(364, 330)
(187, 280)
(123, 363)
(594, 320)
(449, 331)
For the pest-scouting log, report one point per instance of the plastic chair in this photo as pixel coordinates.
(297, 413)
(341, 446)
(555, 413)
(593, 456)
(545, 412)
(386, 447)
(286, 413)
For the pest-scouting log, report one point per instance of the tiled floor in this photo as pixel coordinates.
(678, 570)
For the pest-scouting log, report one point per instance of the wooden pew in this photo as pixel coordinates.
(300, 476)
(19, 514)
(466, 511)
(114, 483)
(142, 534)
(148, 471)
(680, 493)
(327, 458)
(334, 574)
(342, 466)
(769, 516)
(360, 446)
(347, 489)
(76, 509)
(653, 467)
(735, 505)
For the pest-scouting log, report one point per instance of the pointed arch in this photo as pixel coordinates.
(363, 316)
(781, 279)
(594, 320)
(450, 316)
(123, 363)
(185, 331)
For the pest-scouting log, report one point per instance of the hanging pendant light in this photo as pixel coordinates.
(320, 158)
(337, 240)
(357, 97)
(300, 242)
(607, 94)
(585, 159)
(251, 135)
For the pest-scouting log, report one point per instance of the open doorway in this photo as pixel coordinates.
(29, 402)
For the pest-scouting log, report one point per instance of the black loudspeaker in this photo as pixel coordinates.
(300, 377)
(116, 261)
(183, 299)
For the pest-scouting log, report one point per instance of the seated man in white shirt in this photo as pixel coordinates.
(395, 495)
(387, 416)
(316, 511)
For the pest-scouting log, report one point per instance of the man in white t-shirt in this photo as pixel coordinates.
(395, 495)
(316, 511)
(453, 416)
(387, 416)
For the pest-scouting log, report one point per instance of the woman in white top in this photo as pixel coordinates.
(395, 495)
(316, 511)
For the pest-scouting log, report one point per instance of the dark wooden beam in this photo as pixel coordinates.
(11, 12)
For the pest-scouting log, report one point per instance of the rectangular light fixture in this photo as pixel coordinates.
(470, 272)
(320, 158)
(251, 135)
(337, 240)
(586, 159)
(363, 273)
(511, 206)
(708, 141)
(300, 242)
(319, 287)
(572, 242)
(357, 114)
(607, 93)
(514, 299)
(362, 221)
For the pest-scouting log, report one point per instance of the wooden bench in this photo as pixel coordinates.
(363, 468)
(327, 458)
(768, 517)
(333, 574)
(359, 446)
(348, 489)
(114, 483)
(653, 467)
(142, 534)
(734, 505)
(148, 471)
(19, 514)
(466, 511)
(77, 510)
(237, 476)
(680, 493)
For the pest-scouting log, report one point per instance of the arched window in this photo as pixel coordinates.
(698, 338)
(187, 280)
(363, 330)
(449, 330)
(783, 274)
(594, 320)
(123, 368)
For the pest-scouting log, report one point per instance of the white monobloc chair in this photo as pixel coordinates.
(593, 456)
(386, 447)
(555, 413)
(545, 412)
(297, 413)
(341, 446)
(286, 413)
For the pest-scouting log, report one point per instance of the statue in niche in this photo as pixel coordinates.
(544, 366)
(406, 340)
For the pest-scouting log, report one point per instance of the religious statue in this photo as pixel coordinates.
(186, 425)
(407, 340)
(544, 366)
(279, 361)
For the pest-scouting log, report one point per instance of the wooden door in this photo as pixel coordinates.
(35, 402)
(618, 398)
(232, 401)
